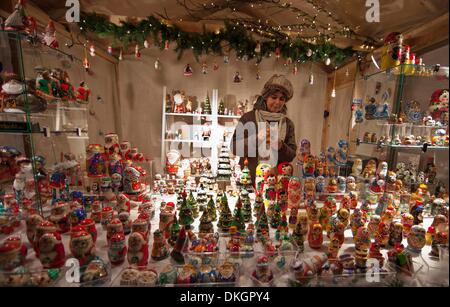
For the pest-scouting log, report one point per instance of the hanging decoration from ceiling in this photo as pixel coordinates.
(232, 37)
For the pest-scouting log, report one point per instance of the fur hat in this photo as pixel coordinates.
(281, 83)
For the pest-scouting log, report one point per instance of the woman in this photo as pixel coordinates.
(270, 108)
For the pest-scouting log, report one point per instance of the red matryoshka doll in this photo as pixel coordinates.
(310, 188)
(111, 144)
(115, 226)
(125, 150)
(32, 222)
(132, 181)
(304, 149)
(12, 254)
(294, 192)
(285, 171)
(89, 225)
(315, 236)
(141, 225)
(137, 249)
(309, 166)
(60, 214)
(345, 202)
(82, 247)
(107, 215)
(438, 107)
(115, 165)
(96, 211)
(117, 250)
(43, 228)
(95, 161)
(382, 235)
(51, 250)
(123, 203)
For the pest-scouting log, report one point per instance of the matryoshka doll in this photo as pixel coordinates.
(96, 211)
(125, 150)
(115, 165)
(304, 149)
(131, 181)
(82, 247)
(160, 249)
(124, 217)
(32, 222)
(357, 168)
(51, 250)
(95, 161)
(382, 235)
(309, 165)
(115, 226)
(76, 216)
(12, 254)
(111, 144)
(341, 184)
(293, 217)
(89, 225)
(320, 184)
(141, 226)
(315, 236)
(107, 214)
(332, 186)
(261, 170)
(396, 234)
(438, 107)
(373, 225)
(285, 171)
(263, 273)
(370, 169)
(43, 228)
(117, 250)
(137, 249)
(294, 192)
(269, 186)
(59, 215)
(310, 188)
(123, 203)
(416, 240)
(357, 220)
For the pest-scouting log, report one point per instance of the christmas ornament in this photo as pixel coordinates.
(110, 50)
(157, 64)
(237, 77)
(333, 93)
(204, 68)
(146, 45)
(92, 50)
(166, 45)
(328, 61)
(309, 53)
(137, 54)
(49, 38)
(86, 63)
(188, 71)
(258, 47)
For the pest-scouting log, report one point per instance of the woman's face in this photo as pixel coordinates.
(275, 102)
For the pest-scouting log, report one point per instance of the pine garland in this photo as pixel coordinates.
(236, 37)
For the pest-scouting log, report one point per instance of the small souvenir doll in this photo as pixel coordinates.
(111, 144)
(315, 236)
(382, 170)
(362, 244)
(76, 216)
(179, 106)
(373, 225)
(374, 253)
(438, 107)
(89, 225)
(357, 168)
(32, 222)
(160, 249)
(351, 184)
(294, 192)
(137, 249)
(49, 37)
(123, 203)
(416, 211)
(51, 250)
(117, 250)
(304, 149)
(285, 171)
(226, 272)
(263, 273)
(396, 234)
(407, 222)
(332, 186)
(382, 235)
(347, 264)
(416, 240)
(82, 94)
(115, 226)
(341, 154)
(125, 150)
(41, 229)
(270, 186)
(95, 163)
(82, 247)
(132, 181)
(320, 184)
(293, 217)
(59, 215)
(357, 220)
(12, 254)
(181, 241)
(309, 165)
(370, 169)
(333, 248)
(107, 214)
(341, 184)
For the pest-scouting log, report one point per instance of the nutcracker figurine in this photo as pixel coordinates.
(51, 250)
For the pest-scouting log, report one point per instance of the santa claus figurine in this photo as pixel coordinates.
(111, 144)
(83, 92)
(82, 247)
(117, 249)
(12, 253)
(49, 38)
(60, 213)
(439, 105)
(51, 250)
(285, 171)
(137, 249)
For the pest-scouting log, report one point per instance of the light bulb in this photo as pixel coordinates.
(333, 93)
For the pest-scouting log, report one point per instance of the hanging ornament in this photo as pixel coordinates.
(110, 50)
(295, 69)
(311, 79)
(226, 59)
(237, 78)
(49, 37)
(92, 50)
(137, 54)
(204, 68)
(277, 52)
(166, 45)
(120, 55)
(258, 47)
(309, 53)
(215, 66)
(157, 64)
(146, 45)
(188, 71)
(333, 93)
(328, 61)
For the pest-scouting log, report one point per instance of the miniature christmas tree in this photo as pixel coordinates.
(185, 215)
(201, 198)
(174, 231)
(247, 206)
(191, 200)
(221, 110)
(206, 225)
(246, 178)
(211, 181)
(211, 209)
(259, 202)
(262, 224)
(225, 215)
(238, 218)
(207, 108)
(224, 168)
(275, 219)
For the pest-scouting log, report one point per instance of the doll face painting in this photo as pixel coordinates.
(417, 237)
(135, 242)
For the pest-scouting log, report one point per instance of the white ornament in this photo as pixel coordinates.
(146, 44)
(328, 61)
(309, 53)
